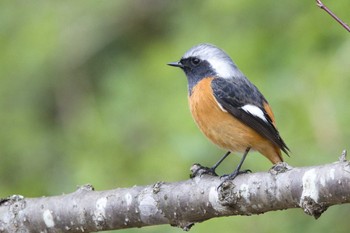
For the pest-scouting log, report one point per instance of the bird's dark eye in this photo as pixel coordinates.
(195, 61)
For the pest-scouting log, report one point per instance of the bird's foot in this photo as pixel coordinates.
(199, 170)
(232, 176)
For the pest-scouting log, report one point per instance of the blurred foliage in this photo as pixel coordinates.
(86, 97)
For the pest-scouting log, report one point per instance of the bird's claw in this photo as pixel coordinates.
(199, 170)
(232, 176)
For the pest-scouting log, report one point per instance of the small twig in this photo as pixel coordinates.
(342, 158)
(323, 7)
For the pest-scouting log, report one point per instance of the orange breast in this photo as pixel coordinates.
(222, 128)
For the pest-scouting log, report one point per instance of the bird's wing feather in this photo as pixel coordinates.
(244, 101)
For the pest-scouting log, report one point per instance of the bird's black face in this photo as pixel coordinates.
(195, 70)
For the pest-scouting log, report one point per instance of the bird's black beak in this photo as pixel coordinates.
(176, 64)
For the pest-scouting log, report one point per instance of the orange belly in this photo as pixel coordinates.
(223, 129)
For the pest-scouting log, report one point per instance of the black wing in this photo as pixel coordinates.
(234, 94)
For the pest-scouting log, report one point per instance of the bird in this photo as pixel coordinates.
(229, 109)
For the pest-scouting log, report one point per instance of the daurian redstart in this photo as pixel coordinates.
(227, 107)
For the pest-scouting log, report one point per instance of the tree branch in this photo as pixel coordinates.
(323, 7)
(181, 204)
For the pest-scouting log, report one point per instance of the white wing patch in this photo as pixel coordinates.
(254, 110)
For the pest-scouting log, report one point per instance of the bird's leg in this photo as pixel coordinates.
(213, 168)
(210, 171)
(237, 171)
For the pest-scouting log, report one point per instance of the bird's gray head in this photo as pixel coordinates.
(206, 60)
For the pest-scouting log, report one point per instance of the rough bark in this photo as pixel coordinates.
(181, 204)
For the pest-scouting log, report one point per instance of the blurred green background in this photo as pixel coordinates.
(86, 97)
